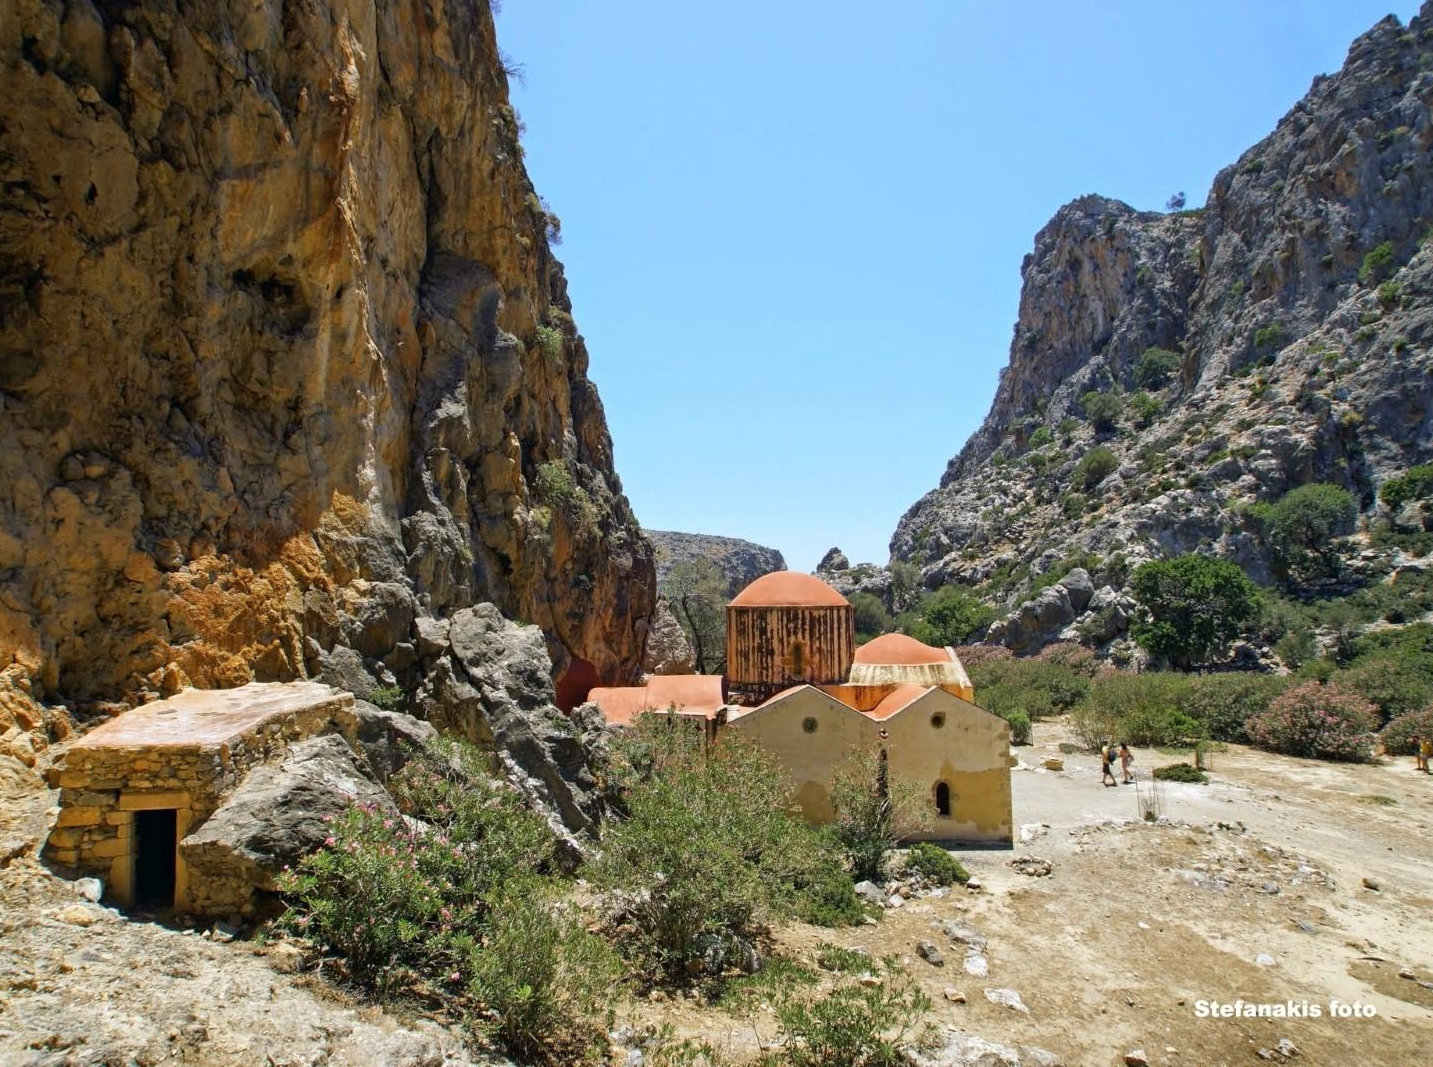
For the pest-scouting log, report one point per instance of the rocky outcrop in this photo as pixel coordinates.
(1295, 311)
(489, 680)
(668, 650)
(740, 562)
(277, 816)
(287, 366)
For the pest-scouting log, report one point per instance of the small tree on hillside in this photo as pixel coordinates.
(697, 592)
(1192, 606)
(1304, 527)
(951, 617)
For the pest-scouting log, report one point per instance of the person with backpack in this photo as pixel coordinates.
(1107, 757)
(1126, 758)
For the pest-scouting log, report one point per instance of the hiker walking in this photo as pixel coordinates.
(1126, 758)
(1107, 756)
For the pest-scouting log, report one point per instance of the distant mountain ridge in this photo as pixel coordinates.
(1291, 321)
(740, 562)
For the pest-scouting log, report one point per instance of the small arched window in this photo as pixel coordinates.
(942, 800)
(938, 720)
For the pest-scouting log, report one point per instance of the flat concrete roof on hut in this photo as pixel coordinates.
(201, 718)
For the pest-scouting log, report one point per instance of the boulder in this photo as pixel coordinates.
(957, 1049)
(276, 816)
(668, 651)
(494, 687)
(387, 738)
(1035, 623)
(1078, 587)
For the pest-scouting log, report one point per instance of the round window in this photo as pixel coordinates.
(809, 725)
(938, 719)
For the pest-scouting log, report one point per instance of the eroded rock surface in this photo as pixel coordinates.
(286, 363)
(1297, 305)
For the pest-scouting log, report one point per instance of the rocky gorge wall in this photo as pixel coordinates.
(1298, 303)
(286, 363)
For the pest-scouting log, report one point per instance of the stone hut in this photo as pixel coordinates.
(787, 629)
(133, 789)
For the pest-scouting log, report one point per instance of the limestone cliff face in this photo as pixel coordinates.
(286, 362)
(1299, 304)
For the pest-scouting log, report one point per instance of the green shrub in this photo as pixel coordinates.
(554, 481)
(1389, 294)
(1095, 466)
(460, 901)
(1316, 720)
(1156, 367)
(1269, 335)
(549, 343)
(825, 894)
(1102, 409)
(707, 853)
(872, 812)
(1073, 505)
(1296, 647)
(1019, 722)
(1181, 772)
(852, 1025)
(1191, 606)
(1416, 484)
(1377, 263)
(951, 616)
(386, 697)
(1036, 687)
(1040, 438)
(1144, 408)
(1398, 735)
(1395, 686)
(933, 862)
(1143, 709)
(1223, 703)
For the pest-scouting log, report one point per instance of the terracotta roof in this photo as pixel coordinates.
(788, 589)
(888, 706)
(693, 694)
(902, 649)
(903, 696)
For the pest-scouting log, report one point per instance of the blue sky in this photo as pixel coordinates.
(793, 230)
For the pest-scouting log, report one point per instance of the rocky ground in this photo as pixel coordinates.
(1281, 880)
(1254, 888)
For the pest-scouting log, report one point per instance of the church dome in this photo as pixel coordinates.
(789, 589)
(900, 648)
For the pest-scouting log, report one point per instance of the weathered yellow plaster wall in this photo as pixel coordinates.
(810, 758)
(969, 751)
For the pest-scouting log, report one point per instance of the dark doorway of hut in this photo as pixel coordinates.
(155, 834)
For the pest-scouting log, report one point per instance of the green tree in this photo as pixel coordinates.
(1156, 367)
(1103, 409)
(950, 617)
(1191, 606)
(697, 592)
(1415, 484)
(872, 618)
(1304, 526)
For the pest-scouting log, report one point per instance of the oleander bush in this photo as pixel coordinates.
(459, 904)
(1398, 735)
(1318, 720)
